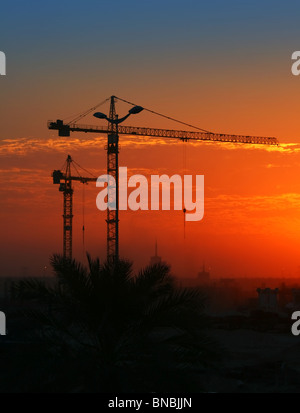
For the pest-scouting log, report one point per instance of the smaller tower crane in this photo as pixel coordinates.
(64, 179)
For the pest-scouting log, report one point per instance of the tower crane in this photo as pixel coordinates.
(114, 129)
(64, 179)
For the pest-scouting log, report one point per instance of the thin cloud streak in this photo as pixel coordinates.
(23, 146)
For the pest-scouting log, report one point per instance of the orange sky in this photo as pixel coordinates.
(252, 198)
(225, 68)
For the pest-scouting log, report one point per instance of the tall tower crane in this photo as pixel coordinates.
(114, 129)
(64, 179)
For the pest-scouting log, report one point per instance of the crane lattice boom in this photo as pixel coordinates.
(65, 129)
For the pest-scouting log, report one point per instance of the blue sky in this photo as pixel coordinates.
(69, 31)
(72, 54)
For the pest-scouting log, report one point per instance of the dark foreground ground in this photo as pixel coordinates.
(259, 355)
(255, 362)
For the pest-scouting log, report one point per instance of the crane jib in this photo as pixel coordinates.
(66, 129)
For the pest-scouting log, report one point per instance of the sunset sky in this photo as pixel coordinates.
(223, 66)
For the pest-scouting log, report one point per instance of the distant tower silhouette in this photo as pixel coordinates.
(156, 259)
(203, 275)
(267, 299)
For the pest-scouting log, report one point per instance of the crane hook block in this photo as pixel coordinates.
(62, 187)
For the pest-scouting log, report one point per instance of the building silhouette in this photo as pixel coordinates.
(155, 259)
(267, 299)
(203, 276)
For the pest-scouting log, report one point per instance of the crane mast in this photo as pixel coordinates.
(112, 219)
(68, 211)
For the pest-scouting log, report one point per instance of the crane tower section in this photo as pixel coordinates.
(64, 179)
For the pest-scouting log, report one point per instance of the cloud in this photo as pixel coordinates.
(23, 146)
(251, 203)
(254, 214)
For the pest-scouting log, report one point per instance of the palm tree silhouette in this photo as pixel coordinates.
(103, 329)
